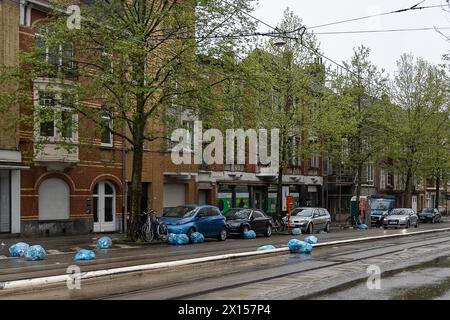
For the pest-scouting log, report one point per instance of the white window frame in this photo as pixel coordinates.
(382, 179)
(370, 174)
(107, 117)
(58, 108)
(60, 50)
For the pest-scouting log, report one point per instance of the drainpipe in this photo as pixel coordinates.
(124, 183)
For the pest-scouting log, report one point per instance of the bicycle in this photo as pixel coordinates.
(279, 224)
(151, 228)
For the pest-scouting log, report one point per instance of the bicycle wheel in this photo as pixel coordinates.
(162, 232)
(147, 232)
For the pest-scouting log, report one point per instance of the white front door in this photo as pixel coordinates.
(414, 203)
(104, 207)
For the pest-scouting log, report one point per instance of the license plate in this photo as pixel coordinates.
(393, 222)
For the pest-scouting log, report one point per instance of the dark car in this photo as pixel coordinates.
(430, 215)
(240, 220)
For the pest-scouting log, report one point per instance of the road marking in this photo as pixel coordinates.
(3, 257)
(32, 282)
(52, 251)
(124, 246)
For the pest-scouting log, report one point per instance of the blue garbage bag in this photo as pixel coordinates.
(296, 232)
(297, 246)
(181, 239)
(311, 239)
(177, 239)
(249, 235)
(362, 226)
(84, 254)
(35, 253)
(104, 243)
(171, 238)
(267, 247)
(323, 232)
(197, 237)
(19, 249)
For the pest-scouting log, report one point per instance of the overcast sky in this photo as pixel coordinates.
(386, 47)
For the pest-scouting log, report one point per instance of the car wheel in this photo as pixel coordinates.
(385, 228)
(417, 224)
(310, 228)
(268, 231)
(327, 227)
(222, 235)
(244, 230)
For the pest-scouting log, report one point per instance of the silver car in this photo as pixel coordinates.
(310, 220)
(401, 218)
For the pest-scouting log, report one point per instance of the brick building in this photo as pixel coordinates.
(54, 190)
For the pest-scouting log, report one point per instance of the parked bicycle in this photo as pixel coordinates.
(279, 224)
(151, 228)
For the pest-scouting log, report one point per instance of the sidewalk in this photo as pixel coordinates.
(57, 243)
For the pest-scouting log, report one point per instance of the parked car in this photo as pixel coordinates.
(188, 219)
(430, 214)
(310, 220)
(400, 218)
(240, 220)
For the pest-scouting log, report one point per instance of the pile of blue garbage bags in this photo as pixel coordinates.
(31, 253)
(298, 246)
(37, 252)
(177, 239)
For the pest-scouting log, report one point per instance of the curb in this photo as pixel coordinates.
(33, 282)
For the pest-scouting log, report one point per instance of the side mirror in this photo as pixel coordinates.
(252, 218)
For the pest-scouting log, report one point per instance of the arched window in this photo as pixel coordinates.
(54, 200)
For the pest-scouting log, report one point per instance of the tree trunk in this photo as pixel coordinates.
(438, 186)
(136, 192)
(280, 190)
(407, 191)
(355, 219)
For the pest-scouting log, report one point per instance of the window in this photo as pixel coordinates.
(382, 179)
(314, 162)
(257, 214)
(59, 55)
(389, 180)
(107, 126)
(212, 212)
(47, 103)
(56, 120)
(369, 174)
(54, 200)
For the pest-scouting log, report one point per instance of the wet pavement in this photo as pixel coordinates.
(425, 281)
(282, 276)
(61, 251)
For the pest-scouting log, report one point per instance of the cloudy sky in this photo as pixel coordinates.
(386, 47)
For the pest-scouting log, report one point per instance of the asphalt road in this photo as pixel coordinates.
(283, 276)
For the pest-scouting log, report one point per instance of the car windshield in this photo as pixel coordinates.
(303, 212)
(379, 204)
(428, 210)
(399, 212)
(237, 214)
(180, 212)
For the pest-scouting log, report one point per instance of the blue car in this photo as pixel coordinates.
(196, 218)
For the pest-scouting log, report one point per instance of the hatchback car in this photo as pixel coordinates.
(430, 215)
(310, 220)
(400, 218)
(188, 219)
(240, 220)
